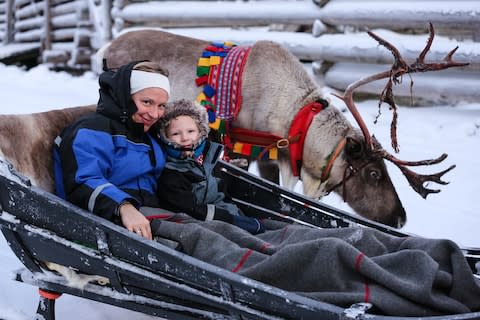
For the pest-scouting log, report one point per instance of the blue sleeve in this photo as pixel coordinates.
(87, 163)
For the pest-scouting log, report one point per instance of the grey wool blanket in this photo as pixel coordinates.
(399, 276)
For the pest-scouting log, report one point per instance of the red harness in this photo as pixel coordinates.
(296, 135)
(299, 128)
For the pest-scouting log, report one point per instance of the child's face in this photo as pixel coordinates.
(183, 130)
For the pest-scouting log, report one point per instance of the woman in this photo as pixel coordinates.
(108, 162)
(187, 183)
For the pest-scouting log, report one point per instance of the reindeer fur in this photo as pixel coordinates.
(26, 141)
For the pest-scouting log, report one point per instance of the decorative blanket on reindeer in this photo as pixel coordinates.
(399, 276)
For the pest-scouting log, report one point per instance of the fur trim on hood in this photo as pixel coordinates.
(185, 108)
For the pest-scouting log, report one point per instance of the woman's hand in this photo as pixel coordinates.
(135, 221)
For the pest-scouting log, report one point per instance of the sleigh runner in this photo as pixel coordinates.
(68, 250)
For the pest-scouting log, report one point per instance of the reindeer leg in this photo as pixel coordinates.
(268, 169)
(311, 185)
(288, 179)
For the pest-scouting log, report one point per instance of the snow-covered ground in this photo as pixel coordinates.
(423, 133)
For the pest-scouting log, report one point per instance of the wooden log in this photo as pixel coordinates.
(47, 26)
(36, 8)
(30, 10)
(20, 52)
(63, 46)
(63, 34)
(435, 87)
(33, 35)
(105, 31)
(68, 54)
(358, 47)
(198, 13)
(8, 37)
(69, 20)
(55, 56)
(62, 21)
(80, 57)
(401, 14)
(68, 34)
(21, 3)
(29, 23)
(68, 7)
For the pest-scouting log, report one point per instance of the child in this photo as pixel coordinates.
(187, 183)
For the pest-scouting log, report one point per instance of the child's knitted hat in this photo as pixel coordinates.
(185, 108)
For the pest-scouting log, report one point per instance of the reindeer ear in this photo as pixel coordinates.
(354, 149)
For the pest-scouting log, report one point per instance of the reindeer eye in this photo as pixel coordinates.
(375, 174)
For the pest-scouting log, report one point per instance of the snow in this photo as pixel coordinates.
(423, 132)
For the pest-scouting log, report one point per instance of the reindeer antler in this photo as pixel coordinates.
(416, 180)
(398, 69)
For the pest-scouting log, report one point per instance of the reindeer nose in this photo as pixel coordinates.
(399, 218)
(400, 223)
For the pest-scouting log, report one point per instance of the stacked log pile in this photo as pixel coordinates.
(327, 34)
(61, 28)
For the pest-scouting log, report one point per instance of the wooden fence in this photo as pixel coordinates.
(61, 30)
(332, 36)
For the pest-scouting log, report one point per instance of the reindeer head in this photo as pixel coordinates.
(365, 168)
(336, 158)
(366, 185)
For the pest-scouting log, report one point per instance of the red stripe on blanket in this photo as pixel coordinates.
(243, 260)
(367, 291)
(284, 234)
(159, 216)
(358, 262)
(264, 247)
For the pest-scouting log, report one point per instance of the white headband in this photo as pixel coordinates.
(140, 80)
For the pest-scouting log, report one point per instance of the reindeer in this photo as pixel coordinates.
(275, 88)
(327, 155)
(26, 141)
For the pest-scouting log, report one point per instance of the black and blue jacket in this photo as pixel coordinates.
(104, 159)
(189, 187)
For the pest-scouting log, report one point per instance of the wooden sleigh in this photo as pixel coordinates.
(67, 250)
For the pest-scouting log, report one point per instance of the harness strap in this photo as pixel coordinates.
(333, 156)
(259, 138)
(295, 140)
(262, 139)
(299, 128)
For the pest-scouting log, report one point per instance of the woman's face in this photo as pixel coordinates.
(183, 130)
(150, 103)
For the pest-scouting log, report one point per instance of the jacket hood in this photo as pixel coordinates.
(115, 100)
